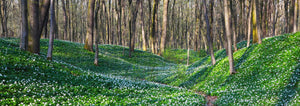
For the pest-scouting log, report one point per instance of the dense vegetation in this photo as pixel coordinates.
(268, 74)
(30, 79)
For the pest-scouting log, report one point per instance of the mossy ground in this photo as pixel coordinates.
(268, 74)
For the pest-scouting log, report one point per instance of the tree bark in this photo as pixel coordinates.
(286, 15)
(43, 20)
(24, 27)
(132, 24)
(96, 33)
(65, 33)
(295, 16)
(152, 28)
(120, 21)
(208, 37)
(256, 31)
(164, 27)
(34, 37)
(249, 24)
(4, 17)
(144, 37)
(228, 34)
(234, 24)
(90, 26)
(275, 16)
(52, 30)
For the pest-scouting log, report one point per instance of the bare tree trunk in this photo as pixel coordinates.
(24, 27)
(256, 28)
(275, 17)
(286, 15)
(52, 30)
(120, 21)
(295, 16)
(143, 29)
(234, 24)
(65, 20)
(152, 29)
(291, 15)
(208, 37)
(96, 33)
(34, 37)
(164, 27)
(249, 24)
(132, 24)
(44, 13)
(4, 17)
(90, 26)
(228, 34)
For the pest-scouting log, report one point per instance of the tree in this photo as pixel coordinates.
(144, 37)
(234, 23)
(249, 24)
(90, 27)
(164, 27)
(208, 35)
(295, 16)
(4, 17)
(275, 16)
(52, 30)
(132, 24)
(34, 37)
(24, 27)
(96, 33)
(228, 35)
(120, 21)
(256, 26)
(65, 33)
(152, 28)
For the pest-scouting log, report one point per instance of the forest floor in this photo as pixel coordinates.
(268, 74)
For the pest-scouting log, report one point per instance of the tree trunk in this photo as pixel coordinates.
(120, 21)
(249, 24)
(34, 37)
(65, 33)
(256, 31)
(90, 27)
(52, 30)
(286, 15)
(164, 27)
(291, 15)
(275, 17)
(234, 24)
(44, 13)
(228, 34)
(144, 38)
(208, 37)
(152, 28)
(295, 16)
(96, 33)
(24, 27)
(4, 17)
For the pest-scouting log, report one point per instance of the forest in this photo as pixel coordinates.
(150, 52)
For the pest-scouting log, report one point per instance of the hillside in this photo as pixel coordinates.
(268, 74)
(30, 79)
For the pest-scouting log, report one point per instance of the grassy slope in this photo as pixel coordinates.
(179, 56)
(29, 79)
(265, 71)
(268, 74)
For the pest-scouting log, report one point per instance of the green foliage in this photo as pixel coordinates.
(268, 74)
(32, 80)
(179, 56)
